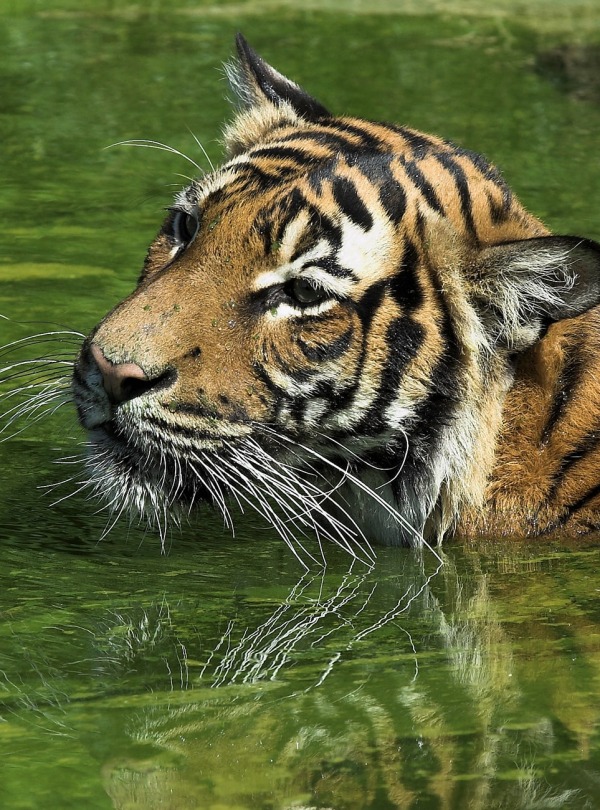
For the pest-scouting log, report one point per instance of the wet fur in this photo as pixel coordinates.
(445, 381)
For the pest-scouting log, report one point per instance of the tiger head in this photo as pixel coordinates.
(325, 327)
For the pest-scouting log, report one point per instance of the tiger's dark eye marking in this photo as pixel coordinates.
(368, 305)
(333, 350)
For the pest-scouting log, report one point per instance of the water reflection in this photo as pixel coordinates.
(356, 689)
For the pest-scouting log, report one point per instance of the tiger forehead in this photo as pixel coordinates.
(272, 166)
(267, 197)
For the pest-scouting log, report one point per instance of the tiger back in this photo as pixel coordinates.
(357, 329)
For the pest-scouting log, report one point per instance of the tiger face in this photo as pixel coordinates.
(325, 328)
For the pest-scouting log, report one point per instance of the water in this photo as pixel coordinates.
(216, 673)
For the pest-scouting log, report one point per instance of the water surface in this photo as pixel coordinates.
(214, 672)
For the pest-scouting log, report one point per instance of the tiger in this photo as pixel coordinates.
(355, 329)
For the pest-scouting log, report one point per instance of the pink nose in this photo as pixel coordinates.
(121, 381)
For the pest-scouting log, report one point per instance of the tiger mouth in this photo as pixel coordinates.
(151, 474)
(142, 470)
(128, 431)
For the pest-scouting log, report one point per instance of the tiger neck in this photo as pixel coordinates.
(544, 460)
(423, 498)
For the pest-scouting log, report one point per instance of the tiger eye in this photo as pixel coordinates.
(186, 226)
(306, 292)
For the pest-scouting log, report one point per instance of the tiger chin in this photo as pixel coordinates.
(356, 329)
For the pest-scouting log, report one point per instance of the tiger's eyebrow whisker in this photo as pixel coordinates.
(150, 144)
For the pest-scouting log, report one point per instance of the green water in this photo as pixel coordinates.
(216, 673)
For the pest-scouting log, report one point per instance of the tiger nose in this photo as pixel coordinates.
(121, 381)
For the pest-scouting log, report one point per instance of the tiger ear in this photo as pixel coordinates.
(254, 82)
(522, 287)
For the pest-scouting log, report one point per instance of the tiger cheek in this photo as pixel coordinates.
(330, 344)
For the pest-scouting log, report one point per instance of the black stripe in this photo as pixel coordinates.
(298, 406)
(301, 375)
(321, 227)
(568, 381)
(366, 310)
(462, 185)
(420, 143)
(261, 372)
(404, 285)
(377, 170)
(418, 178)
(487, 169)
(367, 307)
(351, 204)
(420, 225)
(404, 338)
(288, 209)
(254, 180)
(180, 430)
(589, 443)
(263, 227)
(499, 211)
(272, 220)
(336, 142)
(342, 397)
(332, 350)
(435, 411)
(393, 199)
(368, 141)
(301, 157)
(193, 409)
(583, 503)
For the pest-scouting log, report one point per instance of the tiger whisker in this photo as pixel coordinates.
(264, 508)
(214, 489)
(304, 503)
(45, 375)
(354, 534)
(420, 540)
(314, 495)
(54, 485)
(149, 144)
(83, 485)
(398, 467)
(41, 339)
(31, 420)
(31, 406)
(203, 150)
(111, 524)
(37, 400)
